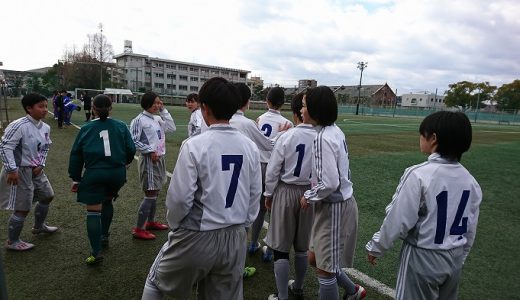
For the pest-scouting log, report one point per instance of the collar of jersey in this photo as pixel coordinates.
(220, 126)
(239, 112)
(150, 115)
(436, 157)
(274, 111)
(37, 123)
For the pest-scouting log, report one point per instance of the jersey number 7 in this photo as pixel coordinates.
(236, 160)
(442, 211)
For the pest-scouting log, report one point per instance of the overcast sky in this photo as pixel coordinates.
(413, 45)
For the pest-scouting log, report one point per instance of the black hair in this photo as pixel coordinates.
(322, 105)
(221, 97)
(297, 104)
(276, 96)
(452, 130)
(245, 93)
(193, 96)
(102, 106)
(31, 99)
(148, 99)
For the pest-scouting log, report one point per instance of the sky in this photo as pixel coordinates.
(413, 45)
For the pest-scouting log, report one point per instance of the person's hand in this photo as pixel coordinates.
(303, 203)
(12, 178)
(268, 202)
(154, 156)
(372, 259)
(284, 127)
(36, 171)
(74, 187)
(161, 106)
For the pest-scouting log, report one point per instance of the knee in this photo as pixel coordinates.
(21, 213)
(151, 193)
(47, 201)
(280, 255)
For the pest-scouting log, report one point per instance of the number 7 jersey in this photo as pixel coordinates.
(435, 206)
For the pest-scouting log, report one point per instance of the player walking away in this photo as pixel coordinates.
(60, 108)
(270, 124)
(87, 101)
(213, 195)
(103, 148)
(434, 211)
(286, 179)
(330, 192)
(23, 151)
(197, 125)
(149, 134)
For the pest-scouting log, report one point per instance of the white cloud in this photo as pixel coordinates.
(411, 44)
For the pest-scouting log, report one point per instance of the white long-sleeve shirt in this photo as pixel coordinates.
(248, 128)
(149, 131)
(331, 167)
(291, 159)
(435, 206)
(25, 143)
(196, 125)
(216, 182)
(269, 123)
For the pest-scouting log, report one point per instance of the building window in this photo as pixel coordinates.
(147, 84)
(194, 88)
(224, 73)
(148, 74)
(158, 85)
(414, 101)
(159, 75)
(183, 68)
(214, 72)
(194, 78)
(171, 86)
(183, 87)
(158, 65)
(171, 76)
(203, 79)
(204, 70)
(183, 77)
(192, 69)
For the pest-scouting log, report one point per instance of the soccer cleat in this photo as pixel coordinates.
(273, 297)
(267, 255)
(18, 245)
(360, 293)
(253, 247)
(44, 229)
(155, 226)
(94, 260)
(142, 234)
(298, 293)
(249, 271)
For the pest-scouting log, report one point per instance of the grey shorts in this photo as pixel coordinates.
(350, 233)
(290, 224)
(28, 190)
(213, 259)
(151, 175)
(429, 274)
(326, 235)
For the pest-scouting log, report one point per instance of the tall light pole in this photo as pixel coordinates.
(360, 65)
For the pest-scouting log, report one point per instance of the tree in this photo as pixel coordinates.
(508, 95)
(468, 94)
(257, 91)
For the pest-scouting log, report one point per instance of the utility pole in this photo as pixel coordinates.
(360, 65)
(101, 56)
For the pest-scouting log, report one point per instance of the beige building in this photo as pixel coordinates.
(170, 77)
(423, 100)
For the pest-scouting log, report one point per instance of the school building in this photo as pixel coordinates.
(140, 72)
(422, 100)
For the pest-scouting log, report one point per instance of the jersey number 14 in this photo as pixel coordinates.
(460, 224)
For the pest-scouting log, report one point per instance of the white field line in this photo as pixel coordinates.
(358, 275)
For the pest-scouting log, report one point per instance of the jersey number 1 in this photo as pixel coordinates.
(106, 142)
(227, 160)
(457, 228)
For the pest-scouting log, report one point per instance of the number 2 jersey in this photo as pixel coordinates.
(101, 145)
(216, 182)
(435, 206)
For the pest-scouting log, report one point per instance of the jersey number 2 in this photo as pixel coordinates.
(106, 142)
(236, 160)
(457, 228)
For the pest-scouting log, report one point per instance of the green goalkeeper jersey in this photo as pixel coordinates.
(101, 145)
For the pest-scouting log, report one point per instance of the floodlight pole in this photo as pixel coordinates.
(478, 101)
(361, 65)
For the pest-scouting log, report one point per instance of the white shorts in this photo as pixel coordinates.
(28, 190)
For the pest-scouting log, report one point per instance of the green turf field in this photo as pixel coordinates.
(380, 149)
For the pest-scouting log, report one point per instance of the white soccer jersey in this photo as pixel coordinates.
(216, 182)
(291, 159)
(269, 123)
(248, 128)
(197, 125)
(331, 168)
(32, 151)
(149, 131)
(435, 206)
